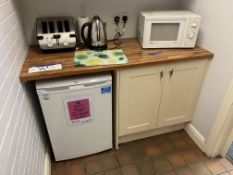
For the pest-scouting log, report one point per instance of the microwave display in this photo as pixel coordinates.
(164, 31)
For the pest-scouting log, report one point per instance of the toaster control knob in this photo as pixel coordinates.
(65, 43)
(50, 44)
(194, 25)
(191, 35)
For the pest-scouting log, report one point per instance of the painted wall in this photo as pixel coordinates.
(22, 148)
(216, 35)
(105, 8)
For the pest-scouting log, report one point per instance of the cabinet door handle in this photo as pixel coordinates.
(171, 72)
(161, 75)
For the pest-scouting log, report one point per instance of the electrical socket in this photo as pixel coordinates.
(120, 14)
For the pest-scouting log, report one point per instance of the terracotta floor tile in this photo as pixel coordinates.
(113, 172)
(167, 147)
(183, 133)
(100, 173)
(93, 166)
(215, 166)
(199, 153)
(150, 141)
(167, 173)
(189, 156)
(228, 165)
(110, 161)
(190, 142)
(199, 169)
(184, 171)
(125, 158)
(137, 143)
(130, 170)
(160, 139)
(146, 167)
(176, 160)
(180, 144)
(174, 135)
(125, 147)
(162, 165)
(153, 152)
(75, 167)
(138, 153)
(106, 153)
(58, 168)
(91, 157)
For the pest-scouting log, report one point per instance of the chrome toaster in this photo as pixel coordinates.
(54, 33)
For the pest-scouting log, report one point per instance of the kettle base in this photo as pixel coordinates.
(104, 47)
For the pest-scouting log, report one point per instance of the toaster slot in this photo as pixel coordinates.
(59, 26)
(67, 25)
(44, 27)
(51, 27)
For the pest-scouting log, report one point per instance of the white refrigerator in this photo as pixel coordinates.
(78, 114)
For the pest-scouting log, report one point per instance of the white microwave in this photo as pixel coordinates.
(168, 29)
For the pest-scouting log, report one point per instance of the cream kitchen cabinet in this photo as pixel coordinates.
(182, 83)
(139, 96)
(156, 96)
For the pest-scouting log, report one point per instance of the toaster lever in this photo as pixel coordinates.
(72, 35)
(39, 37)
(57, 36)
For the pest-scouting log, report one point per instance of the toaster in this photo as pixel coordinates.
(54, 33)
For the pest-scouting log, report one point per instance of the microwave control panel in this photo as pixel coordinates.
(193, 28)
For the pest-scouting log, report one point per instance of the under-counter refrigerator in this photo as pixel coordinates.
(78, 114)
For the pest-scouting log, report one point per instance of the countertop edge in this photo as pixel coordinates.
(35, 77)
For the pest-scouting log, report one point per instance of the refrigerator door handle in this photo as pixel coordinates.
(96, 84)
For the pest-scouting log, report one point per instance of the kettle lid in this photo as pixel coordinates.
(96, 17)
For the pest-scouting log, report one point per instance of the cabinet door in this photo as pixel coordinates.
(181, 88)
(139, 98)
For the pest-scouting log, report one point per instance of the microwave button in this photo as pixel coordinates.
(191, 35)
(194, 25)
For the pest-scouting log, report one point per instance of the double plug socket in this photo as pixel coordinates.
(121, 17)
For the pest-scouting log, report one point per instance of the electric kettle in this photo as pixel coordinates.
(96, 35)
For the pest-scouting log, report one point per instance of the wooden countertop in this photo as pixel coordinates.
(132, 49)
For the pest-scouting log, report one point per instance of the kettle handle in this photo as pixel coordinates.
(86, 40)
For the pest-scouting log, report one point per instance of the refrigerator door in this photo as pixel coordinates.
(78, 118)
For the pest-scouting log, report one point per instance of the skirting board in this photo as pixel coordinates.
(47, 163)
(137, 136)
(196, 136)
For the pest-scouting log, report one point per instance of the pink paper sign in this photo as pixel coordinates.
(79, 109)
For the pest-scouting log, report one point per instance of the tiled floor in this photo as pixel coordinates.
(169, 154)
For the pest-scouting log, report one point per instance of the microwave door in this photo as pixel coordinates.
(166, 33)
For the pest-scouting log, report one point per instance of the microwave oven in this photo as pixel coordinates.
(168, 29)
